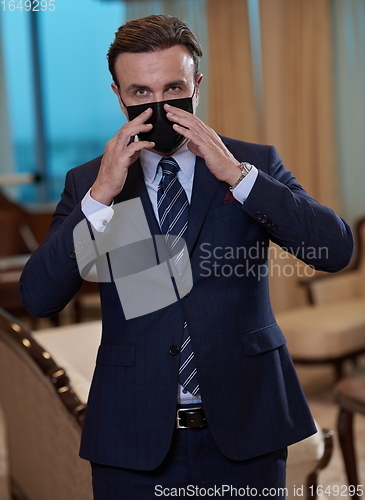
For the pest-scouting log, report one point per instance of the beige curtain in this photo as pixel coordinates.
(310, 149)
(298, 96)
(299, 115)
(231, 110)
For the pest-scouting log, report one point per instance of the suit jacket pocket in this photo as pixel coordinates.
(116, 354)
(262, 340)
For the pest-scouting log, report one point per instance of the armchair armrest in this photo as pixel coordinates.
(327, 455)
(305, 460)
(347, 284)
(326, 289)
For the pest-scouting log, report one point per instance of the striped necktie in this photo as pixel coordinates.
(173, 211)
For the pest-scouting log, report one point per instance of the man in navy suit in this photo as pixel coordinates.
(145, 434)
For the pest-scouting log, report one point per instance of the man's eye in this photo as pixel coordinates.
(141, 92)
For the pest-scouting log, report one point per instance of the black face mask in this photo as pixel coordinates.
(166, 139)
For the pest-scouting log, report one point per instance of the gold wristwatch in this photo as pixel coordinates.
(245, 169)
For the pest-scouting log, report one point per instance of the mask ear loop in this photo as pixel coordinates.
(196, 97)
(125, 111)
(122, 105)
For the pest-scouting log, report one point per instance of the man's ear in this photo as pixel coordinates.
(116, 91)
(198, 80)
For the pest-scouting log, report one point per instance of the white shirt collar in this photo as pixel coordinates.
(149, 162)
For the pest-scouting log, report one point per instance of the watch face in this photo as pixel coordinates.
(245, 169)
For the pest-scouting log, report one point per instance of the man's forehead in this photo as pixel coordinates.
(176, 55)
(151, 69)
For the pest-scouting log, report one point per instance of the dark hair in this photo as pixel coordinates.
(150, 34)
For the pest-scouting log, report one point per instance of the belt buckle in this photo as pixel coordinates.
(178, 418)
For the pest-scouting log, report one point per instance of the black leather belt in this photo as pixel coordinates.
(189, 418)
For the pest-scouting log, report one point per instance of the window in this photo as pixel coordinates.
(79, 111)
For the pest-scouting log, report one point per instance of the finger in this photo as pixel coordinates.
(134, 149)
(186, 132)
(198, 132)
(176, 114)
(135, 129)
(136, 124)
(176, 111)
(143, 116)
(189, 134)
(183, 117)
(129, 130)
(188, 120)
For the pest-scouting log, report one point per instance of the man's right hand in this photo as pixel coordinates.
(119, 155)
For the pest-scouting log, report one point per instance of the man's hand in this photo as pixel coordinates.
(119, 155)
(205, 142)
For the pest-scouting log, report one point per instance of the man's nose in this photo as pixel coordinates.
(158, 96)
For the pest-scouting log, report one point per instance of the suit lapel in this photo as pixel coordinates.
(135, 187)
(204, 189)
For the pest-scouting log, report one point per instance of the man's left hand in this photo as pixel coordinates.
(206, 143)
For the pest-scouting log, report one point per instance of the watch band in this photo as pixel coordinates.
(245, 169)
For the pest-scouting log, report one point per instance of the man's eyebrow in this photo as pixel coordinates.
(137, 86)
(176, 83)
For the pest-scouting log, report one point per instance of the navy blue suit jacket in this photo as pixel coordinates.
(252, 399)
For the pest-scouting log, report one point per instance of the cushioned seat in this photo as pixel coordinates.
(324, 332)
(74, 347)
(43, 418)
(332, 328)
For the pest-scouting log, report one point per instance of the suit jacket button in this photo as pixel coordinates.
(174, 350)
(259, 215)
(274, 227)
(264, 219)
(73, 255)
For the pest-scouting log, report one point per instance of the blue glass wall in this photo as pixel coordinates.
(80, 111)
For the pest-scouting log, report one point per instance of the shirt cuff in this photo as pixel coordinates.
(243, 189)
(97, 214)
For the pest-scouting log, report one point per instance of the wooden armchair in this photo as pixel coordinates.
(331, 329)
(305, 461)
(75, 347)
(43, 418)
(345, 285)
